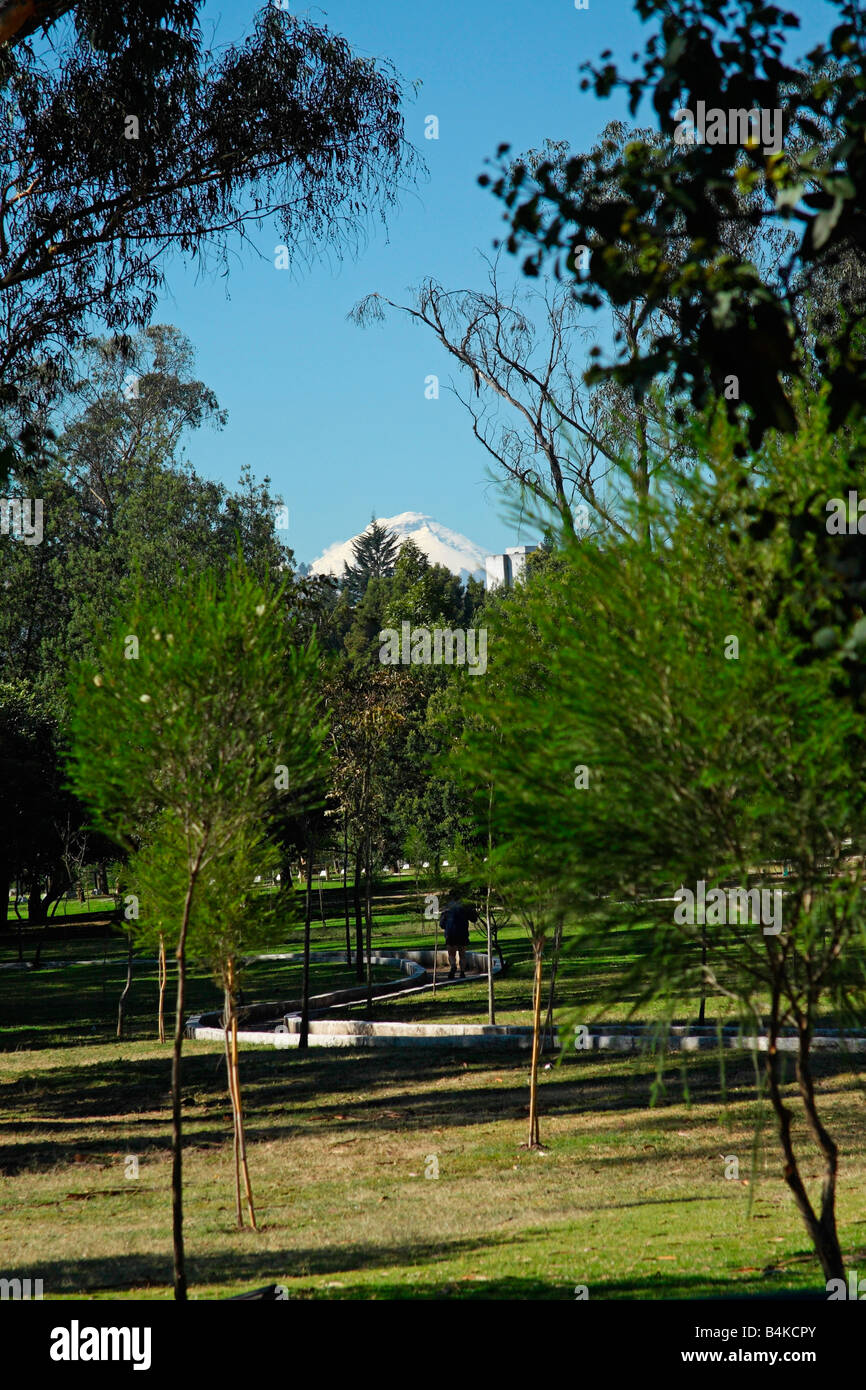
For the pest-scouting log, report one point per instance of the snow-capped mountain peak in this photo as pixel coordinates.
(439, 543)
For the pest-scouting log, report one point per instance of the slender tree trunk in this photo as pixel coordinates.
(421, 903)
(822, 1232)
(176, 1120)
(829, 1253)
(121, 1007)
(346, 888)
(702, 1012)
(242, 1139)
(368, 912)
(548, 1021)
(228, 1012)
(5, 885)
(534, 1138)
(491, 1008)
(359, 924)
(163, 979)
(435, 947)
(304, 1035)
(40, 942)
(491, 1011)
(237, 1103)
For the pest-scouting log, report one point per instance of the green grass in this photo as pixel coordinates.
(73, 997)
(66, 909)
(630, 1199)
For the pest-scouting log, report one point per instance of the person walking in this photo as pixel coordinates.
(454, 921)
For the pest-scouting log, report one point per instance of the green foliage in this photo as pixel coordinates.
(123, 507)
(630, 751)
(631, 212)
(224, 137)
(229, 917)
(374, 553)
(217, 709)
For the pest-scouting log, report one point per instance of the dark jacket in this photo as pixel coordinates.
(455, 920)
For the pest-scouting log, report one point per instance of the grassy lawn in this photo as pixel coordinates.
(66, 908)
(73, 996)
(629, 1199)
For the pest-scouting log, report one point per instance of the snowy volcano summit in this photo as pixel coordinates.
(439, 543)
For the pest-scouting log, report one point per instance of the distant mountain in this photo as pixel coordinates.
(440, 544)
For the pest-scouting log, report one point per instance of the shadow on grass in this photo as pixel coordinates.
(229, 1270)
(288, 1095)
(130, 1271)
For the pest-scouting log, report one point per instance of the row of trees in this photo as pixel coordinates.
(701, 669)
(124, 508)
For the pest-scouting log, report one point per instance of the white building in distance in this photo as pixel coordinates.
(504, 569)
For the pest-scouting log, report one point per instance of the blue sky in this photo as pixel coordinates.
(334, 414)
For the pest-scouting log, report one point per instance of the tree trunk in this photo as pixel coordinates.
(121, 1007)
(491, 1011)
(702, 1012)
(359, 924)
(548, 1021)
(163, 979)
(228, 1013)
(346, 888)
(368, 913)
(242, 1140)
(40, 942)
(828, 1252)
(34, 904)
(304, 1036)
(176, 1121)
(5, 885)
(230, 1024)
(534, 1139)
(822, 1232)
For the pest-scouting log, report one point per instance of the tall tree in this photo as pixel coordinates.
(198, 722)
(658, 755)
(124, 139)
(122, 502)
(227, 922)
(374, 554)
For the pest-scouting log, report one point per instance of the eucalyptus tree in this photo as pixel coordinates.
(124, 139)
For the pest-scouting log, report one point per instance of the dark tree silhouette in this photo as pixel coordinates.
(375, 555)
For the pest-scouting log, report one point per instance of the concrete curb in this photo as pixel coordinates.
(415, 966)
